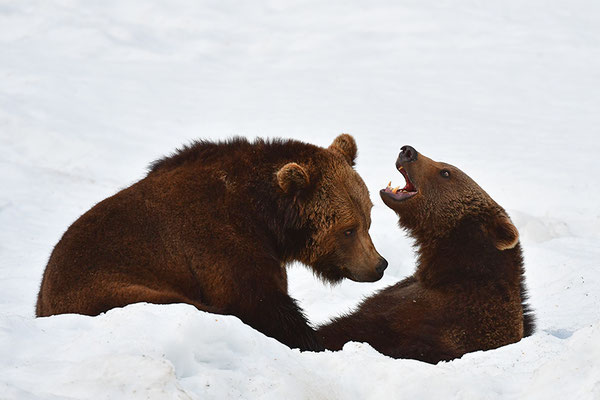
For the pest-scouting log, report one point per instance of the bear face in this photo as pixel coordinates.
(438, 196)
(338, 212)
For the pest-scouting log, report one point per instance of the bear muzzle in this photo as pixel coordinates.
(391, 195)
(372, 274)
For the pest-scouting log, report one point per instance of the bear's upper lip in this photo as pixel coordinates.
(408, 191)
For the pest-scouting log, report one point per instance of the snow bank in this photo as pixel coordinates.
(175, 352)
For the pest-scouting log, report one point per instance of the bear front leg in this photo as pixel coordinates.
(277, 315)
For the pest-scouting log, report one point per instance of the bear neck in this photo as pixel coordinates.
(247, 172)
(282, 223)
(282, 218)
(465, 255)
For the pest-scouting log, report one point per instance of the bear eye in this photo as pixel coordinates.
(445, 173)
(349, 232)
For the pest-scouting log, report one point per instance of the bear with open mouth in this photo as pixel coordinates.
(468, 291)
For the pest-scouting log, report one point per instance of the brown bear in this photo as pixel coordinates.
(214, 225)
(468, 290)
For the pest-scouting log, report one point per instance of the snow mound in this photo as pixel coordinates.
(176, 352)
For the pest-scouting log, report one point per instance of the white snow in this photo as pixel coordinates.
(91, 92)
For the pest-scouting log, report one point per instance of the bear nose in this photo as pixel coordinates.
(381, 266)
(407, 154)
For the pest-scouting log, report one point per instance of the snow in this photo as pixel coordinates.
(92, 92)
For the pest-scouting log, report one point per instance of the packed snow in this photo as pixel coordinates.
(92, 92)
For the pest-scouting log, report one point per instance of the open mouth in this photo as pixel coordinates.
(400, 194)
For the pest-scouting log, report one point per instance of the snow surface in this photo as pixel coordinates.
(91, 92)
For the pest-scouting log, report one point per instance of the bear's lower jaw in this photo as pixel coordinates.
(391, 197)
(374, 277)
(335, 274)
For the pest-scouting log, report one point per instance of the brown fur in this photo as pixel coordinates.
(468, 291)
(214, 226)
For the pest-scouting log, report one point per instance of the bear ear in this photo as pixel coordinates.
(292, 178)
(346, 145)
(503, 232)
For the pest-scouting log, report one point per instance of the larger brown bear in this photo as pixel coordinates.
(468, 290)
(214, 226)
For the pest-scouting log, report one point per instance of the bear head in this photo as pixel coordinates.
(438, 196)
(333, 202)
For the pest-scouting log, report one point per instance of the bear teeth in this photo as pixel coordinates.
(395, 190)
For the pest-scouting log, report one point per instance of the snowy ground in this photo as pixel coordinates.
(91, 92)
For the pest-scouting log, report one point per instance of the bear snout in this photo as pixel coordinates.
(407, 154)
(372, 273)
(383, 264)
